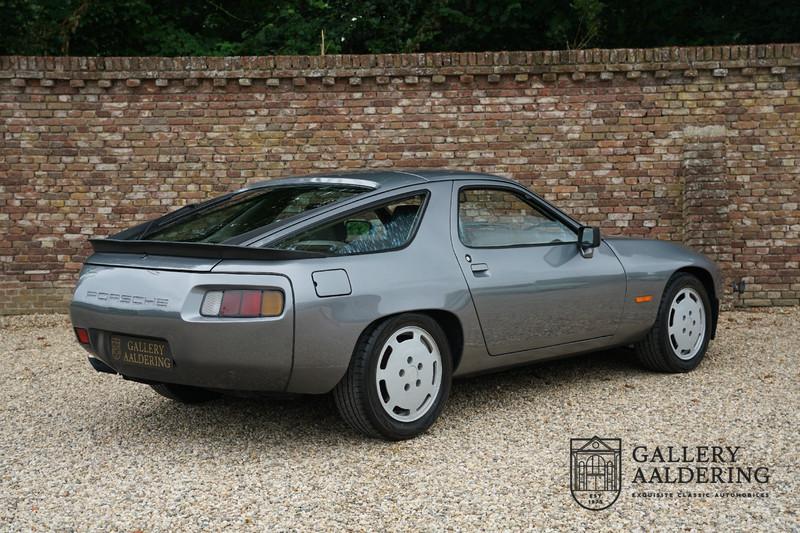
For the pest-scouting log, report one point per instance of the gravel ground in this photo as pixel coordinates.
(81, 450)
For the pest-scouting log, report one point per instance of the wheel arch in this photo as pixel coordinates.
(707, 279)
(447, 320)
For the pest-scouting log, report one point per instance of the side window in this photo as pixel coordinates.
(377, 229)
(496, 217)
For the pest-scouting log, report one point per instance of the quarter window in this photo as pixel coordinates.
(377, 229)
(495, 217)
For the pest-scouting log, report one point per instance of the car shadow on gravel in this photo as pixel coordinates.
(312, 420)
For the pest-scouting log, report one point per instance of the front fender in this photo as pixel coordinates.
(649, 264)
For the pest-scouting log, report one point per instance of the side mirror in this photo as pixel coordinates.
(588, 240)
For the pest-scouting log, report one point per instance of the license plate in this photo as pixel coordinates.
(143, 352)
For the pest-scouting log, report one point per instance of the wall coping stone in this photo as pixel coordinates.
(718, 59)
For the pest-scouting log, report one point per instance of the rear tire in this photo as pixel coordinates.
(679, 338)
(398, 379)
(184, 393)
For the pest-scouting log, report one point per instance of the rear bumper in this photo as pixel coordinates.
(248, 354)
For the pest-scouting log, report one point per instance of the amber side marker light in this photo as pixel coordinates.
(643, 299)
(242, 303)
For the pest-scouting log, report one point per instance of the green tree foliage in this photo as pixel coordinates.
(259, 27)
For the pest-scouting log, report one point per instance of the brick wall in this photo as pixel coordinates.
(698, 145)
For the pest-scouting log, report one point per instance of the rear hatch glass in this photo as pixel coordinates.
(233, 215)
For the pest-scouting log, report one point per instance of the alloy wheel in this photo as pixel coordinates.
(409, 374)
(687, 323)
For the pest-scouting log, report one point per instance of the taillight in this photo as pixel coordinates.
(83, 335)
(242, 303)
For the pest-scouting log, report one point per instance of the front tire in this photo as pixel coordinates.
(679, 338)
(398, 379)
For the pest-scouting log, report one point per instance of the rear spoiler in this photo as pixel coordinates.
(199, 250)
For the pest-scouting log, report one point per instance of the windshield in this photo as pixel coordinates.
(239, 213)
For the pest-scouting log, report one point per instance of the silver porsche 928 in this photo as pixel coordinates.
(380, 287)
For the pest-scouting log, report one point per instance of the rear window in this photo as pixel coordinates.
(235, 215)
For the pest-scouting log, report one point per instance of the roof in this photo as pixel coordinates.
(382, 179)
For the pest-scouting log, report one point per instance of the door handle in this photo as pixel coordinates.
(479, 267)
